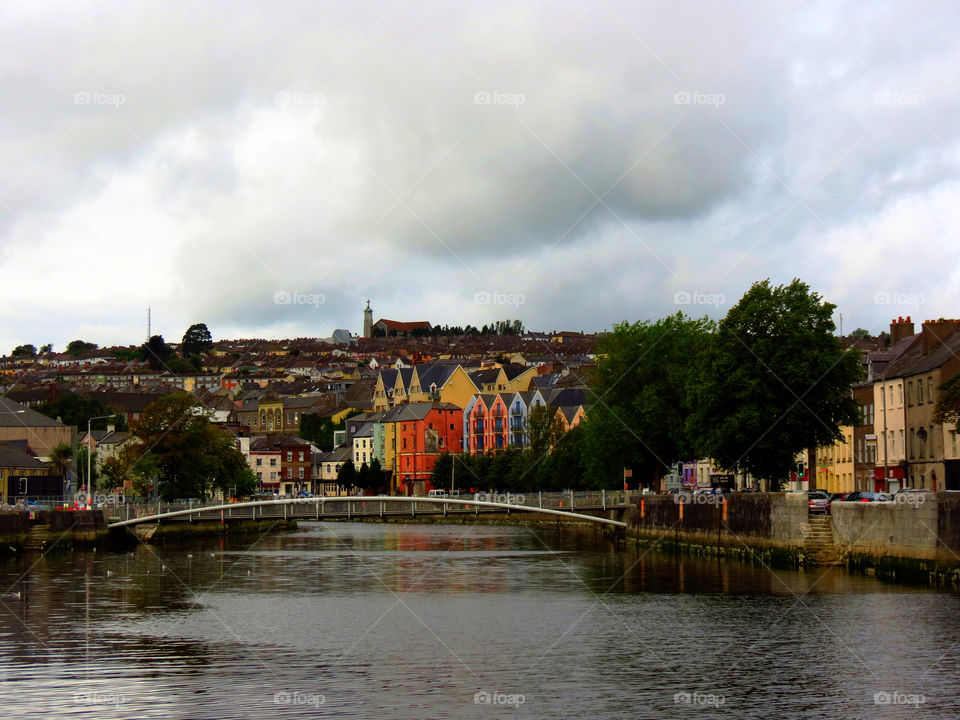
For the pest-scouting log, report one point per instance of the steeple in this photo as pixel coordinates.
(368, 321)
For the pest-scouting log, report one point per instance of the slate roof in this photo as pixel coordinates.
(14, 414)
(12, 456)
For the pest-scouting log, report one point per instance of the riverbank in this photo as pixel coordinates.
(915, 542)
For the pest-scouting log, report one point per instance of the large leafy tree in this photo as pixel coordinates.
(156, 352)
(24, 351)
(178, 452)
(642, 398)
(544, 428)
(776, 381)
(197, 340)
(78, 347)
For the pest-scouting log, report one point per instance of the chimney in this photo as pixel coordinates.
(900, 329)
(935, 332)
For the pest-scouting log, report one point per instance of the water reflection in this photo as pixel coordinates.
(365, 620)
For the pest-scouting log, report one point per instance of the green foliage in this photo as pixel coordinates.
(776, 381)
(24, 351)
(347, 474)
(197, 340)
(76, 410)
(156, 352)
(78, 347)
(180, 366)
(642, 398)
(319, 430)
(544, 428)
(48, 348)
(180, 451)
(948, 404)
(860, 334)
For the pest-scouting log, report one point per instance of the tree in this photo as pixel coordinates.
(61, 457)
(776, 381)
(642, 398)
(543, 428)
(177, 449)
(860, 334)
(78, 347)
(948, 406)
(156, 352)
(347, 475)
(48, 348)
(114, 473)
(197, 340)
(76, 410)
(24, 351)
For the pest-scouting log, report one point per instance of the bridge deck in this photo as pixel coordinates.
(360, 506)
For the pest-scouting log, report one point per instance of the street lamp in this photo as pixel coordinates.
(89, 475)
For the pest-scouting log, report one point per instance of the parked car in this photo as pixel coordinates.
(437, 493)
(864, 496)
(818, 502)
(834, 497)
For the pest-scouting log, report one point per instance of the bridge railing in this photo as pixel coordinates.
(565, 501)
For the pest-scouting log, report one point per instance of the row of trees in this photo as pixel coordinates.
(765, 383)
(751, 391)
(500, 327)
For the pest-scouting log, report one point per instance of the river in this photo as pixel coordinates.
(352, 620)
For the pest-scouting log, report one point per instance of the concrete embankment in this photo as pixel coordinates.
(914, 540)
(759, 527)
(181, 530)
(50, 530)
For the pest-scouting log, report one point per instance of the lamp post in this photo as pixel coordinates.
(89, 448)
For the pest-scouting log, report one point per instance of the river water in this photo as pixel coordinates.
(352, 620)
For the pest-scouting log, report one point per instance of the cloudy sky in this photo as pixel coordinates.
(267, 167)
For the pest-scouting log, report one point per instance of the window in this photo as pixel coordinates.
(301, 456)
(301, 473)
(919, 391)
(910, 393)
(273, 476)
(903, 448)
(451, 426)
(929, 388)
(289, 473)
(273, 462)
(913, 439)
(900, 389)
(289, 455)
(259, 462)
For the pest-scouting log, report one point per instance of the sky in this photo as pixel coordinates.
(265, 168)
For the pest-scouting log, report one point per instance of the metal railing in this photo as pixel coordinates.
(570, 501)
